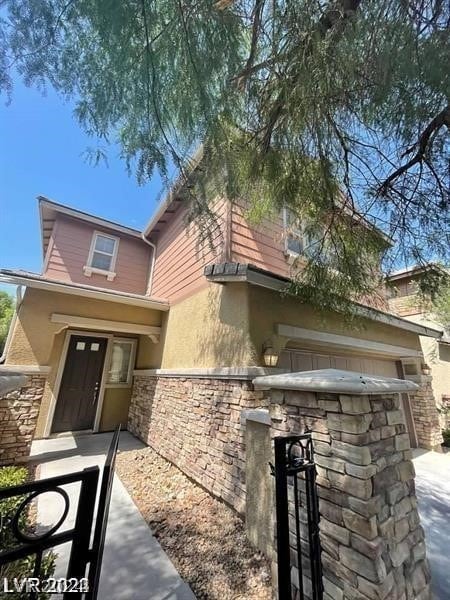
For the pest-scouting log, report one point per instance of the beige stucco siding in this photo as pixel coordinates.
(227, 325)
(268, 308)
(36, 341)
(209, 329)
(33, 335)
(116, 403)
(436, 355)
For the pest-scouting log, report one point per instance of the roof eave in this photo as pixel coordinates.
(45, 202)
(236, 272)
(173, 193)
(86, 292)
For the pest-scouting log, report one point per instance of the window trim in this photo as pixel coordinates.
(287, 251)
(88, 269)
(291, 255)
(128, 384)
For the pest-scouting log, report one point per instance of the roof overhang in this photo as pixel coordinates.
(171, 201)
(417, 270)
(238, 272)
(38, 282)
(49, 209)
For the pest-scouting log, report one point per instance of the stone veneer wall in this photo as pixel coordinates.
(373, 545)
(426, 417)
(19, 411)
(195, 423)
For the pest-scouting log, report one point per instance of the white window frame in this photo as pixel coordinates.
(297, 232)
(88, 269)
(300, 233)
(129, 381)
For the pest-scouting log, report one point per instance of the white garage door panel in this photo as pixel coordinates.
(296, 360)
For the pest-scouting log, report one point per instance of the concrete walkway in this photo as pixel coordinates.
(135, 567)
(433, 494)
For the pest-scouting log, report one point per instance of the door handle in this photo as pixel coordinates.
(96, 389)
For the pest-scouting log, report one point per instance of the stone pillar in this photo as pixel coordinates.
(19, 410)
(425, 414)
(373, 545)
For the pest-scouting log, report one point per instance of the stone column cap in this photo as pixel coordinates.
(336, 381)
(11, 381)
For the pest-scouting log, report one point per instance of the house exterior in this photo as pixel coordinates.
(163, 335)
(405, 301)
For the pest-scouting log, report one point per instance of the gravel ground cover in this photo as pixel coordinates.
(203, 537)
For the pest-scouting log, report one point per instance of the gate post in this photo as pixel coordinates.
(282, 520)
(372, 542)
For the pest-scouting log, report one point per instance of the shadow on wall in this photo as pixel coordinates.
(224, 338)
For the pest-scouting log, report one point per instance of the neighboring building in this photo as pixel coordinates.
(405, 301)
(130, 327)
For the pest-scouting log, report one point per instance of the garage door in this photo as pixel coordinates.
(300, 360)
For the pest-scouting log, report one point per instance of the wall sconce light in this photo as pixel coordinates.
(270, 356)
(426, 370)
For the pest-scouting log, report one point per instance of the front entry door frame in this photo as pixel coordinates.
(59, 375)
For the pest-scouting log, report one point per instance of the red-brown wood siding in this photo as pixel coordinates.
(69, 249)
(261, 245)
(180, 261)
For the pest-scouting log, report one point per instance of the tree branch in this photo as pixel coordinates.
(331, 18)
(422, 146)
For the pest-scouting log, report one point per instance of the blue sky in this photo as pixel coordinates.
(41, 147)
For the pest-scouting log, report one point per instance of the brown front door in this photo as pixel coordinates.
(78, 395)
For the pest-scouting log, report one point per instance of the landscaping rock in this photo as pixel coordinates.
(204, 538)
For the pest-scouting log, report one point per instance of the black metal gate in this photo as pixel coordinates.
(297, 513)
(83, 571)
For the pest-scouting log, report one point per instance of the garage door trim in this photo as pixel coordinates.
(343, 341)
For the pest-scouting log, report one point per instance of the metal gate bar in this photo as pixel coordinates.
(295, 471)
(37, 544)
(85, 560)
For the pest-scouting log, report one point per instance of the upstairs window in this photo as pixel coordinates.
(299, 241)
(102, 255)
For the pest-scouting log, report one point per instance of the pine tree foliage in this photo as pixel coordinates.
(336, 109)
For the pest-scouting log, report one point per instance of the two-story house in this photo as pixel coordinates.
(405, 301)
(136, 327)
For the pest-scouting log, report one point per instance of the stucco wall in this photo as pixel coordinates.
(116, 403)
(34, 332)
(209, 329)
(36, 340)
(227, 325)
(268, 308)
(436, 355)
